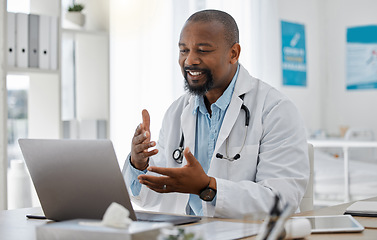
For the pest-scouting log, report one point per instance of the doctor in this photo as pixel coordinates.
(228, 145)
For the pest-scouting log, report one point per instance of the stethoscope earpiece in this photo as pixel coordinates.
(220, 156)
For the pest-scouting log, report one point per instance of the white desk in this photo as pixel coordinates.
(14, 225)
(345, 145)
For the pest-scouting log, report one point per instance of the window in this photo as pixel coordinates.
(17, 88)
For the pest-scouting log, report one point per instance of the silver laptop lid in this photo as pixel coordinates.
(75, 178)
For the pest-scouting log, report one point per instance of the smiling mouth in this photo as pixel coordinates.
(194, 73)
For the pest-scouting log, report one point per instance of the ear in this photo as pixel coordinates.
(235, 53)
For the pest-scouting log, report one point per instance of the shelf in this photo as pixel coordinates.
(27, 71)
(84, 31)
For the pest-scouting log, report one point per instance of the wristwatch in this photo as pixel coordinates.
(208, 193)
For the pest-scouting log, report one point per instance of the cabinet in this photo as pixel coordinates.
(80, 83)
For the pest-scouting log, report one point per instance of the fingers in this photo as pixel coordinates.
(141, 140)
(172, 172)
(141, 147)
(159, 184)
(146, 120)
(189, 156)
(139, 137)
(144, 127)
(138, 130)
(145, 155)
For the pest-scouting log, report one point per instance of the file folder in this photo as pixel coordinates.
(33, 40)
(363, 209)
(54, 43)
(44, 42)
(11, 41)
(22, 37)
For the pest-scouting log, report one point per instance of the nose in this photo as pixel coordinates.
(192, 59)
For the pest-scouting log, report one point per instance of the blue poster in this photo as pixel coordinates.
(362, 57)
(293, 54)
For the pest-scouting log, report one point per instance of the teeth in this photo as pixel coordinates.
(195, 73)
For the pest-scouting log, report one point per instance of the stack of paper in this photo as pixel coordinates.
(223, 230)
(80, 229)
(363, 208)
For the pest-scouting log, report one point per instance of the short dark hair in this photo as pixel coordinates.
(230, 25)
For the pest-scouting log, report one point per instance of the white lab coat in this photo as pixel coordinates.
(274, 158)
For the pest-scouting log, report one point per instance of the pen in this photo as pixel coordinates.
(278, 231)
(270, 221)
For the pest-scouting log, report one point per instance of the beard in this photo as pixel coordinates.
(199, 90)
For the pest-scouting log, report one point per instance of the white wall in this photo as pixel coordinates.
(92, 85)
(325, 103)
(141, 60)
(307, 99)
(354, 108)
(43, 99)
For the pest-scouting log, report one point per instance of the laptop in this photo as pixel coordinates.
(80, 179)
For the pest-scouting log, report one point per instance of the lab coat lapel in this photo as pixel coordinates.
(234, 107)
(188, 123)
(229, 120)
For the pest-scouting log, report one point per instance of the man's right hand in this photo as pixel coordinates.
(141, 142)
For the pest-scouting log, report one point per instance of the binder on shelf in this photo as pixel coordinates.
(44, 42)
(11, 41)
(22, 37)
(33, 40)
(93, 129)
(53, 43)
(71, 129)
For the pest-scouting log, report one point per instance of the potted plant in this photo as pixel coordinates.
(75, 15)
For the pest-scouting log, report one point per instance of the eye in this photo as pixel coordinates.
(183, 50)
(204, 51)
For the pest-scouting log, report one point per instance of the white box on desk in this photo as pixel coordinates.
(72, 229)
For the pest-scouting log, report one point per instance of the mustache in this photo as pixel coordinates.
(192, 68)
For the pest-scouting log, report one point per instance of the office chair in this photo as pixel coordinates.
(307, 201)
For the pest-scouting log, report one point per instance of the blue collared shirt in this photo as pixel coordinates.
(207, 130)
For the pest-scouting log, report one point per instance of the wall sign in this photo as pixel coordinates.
(361, 57)
(293, 54)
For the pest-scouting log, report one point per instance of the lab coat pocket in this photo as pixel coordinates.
(243, 168)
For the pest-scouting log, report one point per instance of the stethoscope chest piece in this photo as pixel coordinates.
(178, 155)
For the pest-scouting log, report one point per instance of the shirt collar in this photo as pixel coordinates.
(223, 100)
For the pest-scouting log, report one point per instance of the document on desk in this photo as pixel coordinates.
(223, 230)
(72, 229)
(363, 208)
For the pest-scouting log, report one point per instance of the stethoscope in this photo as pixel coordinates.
(178, 153)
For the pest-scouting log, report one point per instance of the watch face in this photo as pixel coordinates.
(207, 194)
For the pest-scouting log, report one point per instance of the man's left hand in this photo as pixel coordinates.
(190, 178)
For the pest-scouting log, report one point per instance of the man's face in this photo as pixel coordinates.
(204, 57)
